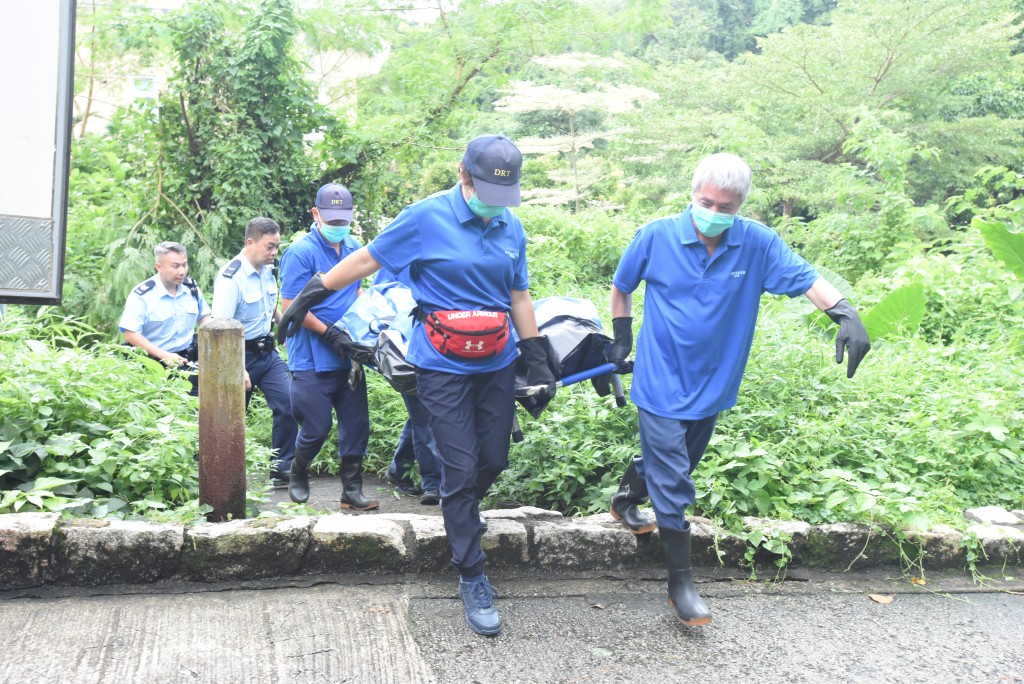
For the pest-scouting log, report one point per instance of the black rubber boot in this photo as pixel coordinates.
(632, 492)
(351, 472)
(298, 480)
(682, 595)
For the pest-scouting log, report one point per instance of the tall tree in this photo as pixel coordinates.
(233, 122)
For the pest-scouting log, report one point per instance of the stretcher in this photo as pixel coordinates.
(380, 321)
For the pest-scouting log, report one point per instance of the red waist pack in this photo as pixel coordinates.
(467, 334)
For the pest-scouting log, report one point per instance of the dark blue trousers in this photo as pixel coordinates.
(671, 451)
(471, 419)
(416, 444)
(270, 374)
(314, 396)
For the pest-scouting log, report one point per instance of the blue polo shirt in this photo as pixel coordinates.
(167, 320)
(455, 262)
(300, 262)
(700, 311)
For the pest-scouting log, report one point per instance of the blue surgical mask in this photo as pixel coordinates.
(484, 211)
(334, 234)
(710, 223)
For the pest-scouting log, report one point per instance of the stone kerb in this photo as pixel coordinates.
(40, 548)
(96, 552)
(26, 541)
(245, 549)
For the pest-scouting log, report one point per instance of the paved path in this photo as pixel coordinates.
(597, 627)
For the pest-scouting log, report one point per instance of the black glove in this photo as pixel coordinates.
(540, 373)
(622, 328)
(340, 343)
(602, 384)
(852, 335)
(312, 294)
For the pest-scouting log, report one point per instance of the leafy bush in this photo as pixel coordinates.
(97, 431)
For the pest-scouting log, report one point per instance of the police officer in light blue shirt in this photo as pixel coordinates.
(465, 252)
(705, 271)
(246, 290)
(161, 313)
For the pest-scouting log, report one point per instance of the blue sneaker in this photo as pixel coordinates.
(478, 598)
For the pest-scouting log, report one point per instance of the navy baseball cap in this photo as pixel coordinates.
(494, 163)
(334, 202)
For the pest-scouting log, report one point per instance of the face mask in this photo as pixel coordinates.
(710, 223)
(334, 234)
(484, 211)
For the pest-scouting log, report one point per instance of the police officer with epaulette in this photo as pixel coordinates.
(161, 313)
(246, 290)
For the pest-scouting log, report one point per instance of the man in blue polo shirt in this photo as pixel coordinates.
(705, 271)
(322, 375)
(466, 255)
(161, 313)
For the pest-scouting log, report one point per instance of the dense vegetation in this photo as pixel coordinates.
(886, 140)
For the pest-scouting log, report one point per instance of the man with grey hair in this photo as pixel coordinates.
(705, 269)
(161, 313)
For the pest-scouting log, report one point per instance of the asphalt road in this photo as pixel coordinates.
(598, 627)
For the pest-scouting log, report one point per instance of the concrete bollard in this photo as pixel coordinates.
(222, 418)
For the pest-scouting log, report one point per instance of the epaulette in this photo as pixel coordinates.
(231, 269)
(145, 287)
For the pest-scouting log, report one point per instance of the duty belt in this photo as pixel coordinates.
(260, 345)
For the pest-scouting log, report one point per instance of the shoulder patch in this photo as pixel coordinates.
(231, 269)
(145, 287)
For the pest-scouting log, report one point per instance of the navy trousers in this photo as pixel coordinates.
(270, 374)
(314, 397)
(671, 451)
(416, 444)
(471, 419)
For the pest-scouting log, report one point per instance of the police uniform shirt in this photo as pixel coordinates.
(166, 320)
(700, 310)
(455, 261)
(302, 260)
(247, 295)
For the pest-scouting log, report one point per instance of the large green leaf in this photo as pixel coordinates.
(898, 315)
(1008, 247)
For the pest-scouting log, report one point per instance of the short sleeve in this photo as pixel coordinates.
(225, 297)
(134, 316)
(204, 310)
(521, 278)
(297, 268)
(632, 264)
(785, 272)
(399, 244)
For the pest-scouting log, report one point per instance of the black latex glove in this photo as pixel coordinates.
(852, 335)
(622, 329)
(540, 373)
(340, 343)
(312, 294)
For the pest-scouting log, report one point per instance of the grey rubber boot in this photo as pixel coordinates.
(632, 492)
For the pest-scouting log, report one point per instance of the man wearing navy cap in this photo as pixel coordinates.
(322, 375)
(705, 271)
(466, 255)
